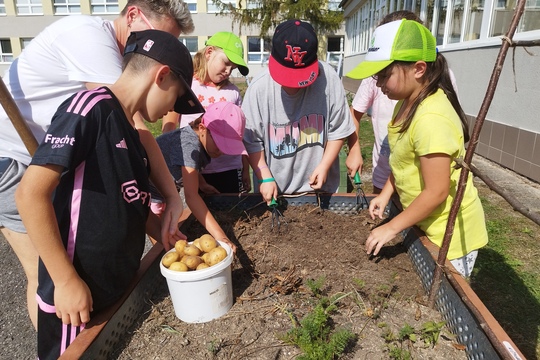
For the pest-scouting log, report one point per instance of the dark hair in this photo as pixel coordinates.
(195, 123)
(158, 9)
(400, 14)
(438, 77)
(139, 63)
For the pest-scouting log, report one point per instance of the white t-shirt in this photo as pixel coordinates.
(56, 64)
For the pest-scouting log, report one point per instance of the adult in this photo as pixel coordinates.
(296, 117)
(76, 53)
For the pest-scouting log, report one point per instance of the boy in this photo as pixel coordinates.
(85, 196)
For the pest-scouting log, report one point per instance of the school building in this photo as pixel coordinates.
(22, 20)
(469, 34)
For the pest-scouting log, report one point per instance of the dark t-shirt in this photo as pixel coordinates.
(102, 200)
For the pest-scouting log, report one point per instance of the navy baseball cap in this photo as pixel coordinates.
(293, 61)
(168, 50)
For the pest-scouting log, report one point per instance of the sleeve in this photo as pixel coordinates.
(363, 99)
(341, 124)
(434, 133)
(97, 59)
(68, 142)
(254, 133)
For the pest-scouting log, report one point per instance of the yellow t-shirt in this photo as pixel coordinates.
(436, 128)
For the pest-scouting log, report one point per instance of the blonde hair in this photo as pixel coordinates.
(200, 66)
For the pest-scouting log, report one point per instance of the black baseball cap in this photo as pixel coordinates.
(168, 50)
(293, 61)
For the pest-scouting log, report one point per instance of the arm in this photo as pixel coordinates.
(246, 178)
(268, 190)
(435, 169)
(198, 206)
(170, 121)
(354, 160)
(331, 152)
(206, 187)
(72, 297)
(165, 185)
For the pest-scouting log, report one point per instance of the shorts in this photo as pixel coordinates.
(229, 181)
(11, 173)
(465, 264)
(54, 336)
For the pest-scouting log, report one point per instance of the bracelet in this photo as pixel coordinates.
(262, 167)
(266, 180)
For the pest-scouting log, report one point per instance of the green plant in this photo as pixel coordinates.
(315, 334)
(398, 353)
(316, 285)
(431, 331)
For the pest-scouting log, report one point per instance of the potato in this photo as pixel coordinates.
(178, 266)
(179, 247)
(192, 261)
(169, 258)
(192, 250)
(204, 257)
(207, 243)
(202, 266)
(197, 243)
(216, 255)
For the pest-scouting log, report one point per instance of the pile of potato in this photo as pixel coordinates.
(201, 254)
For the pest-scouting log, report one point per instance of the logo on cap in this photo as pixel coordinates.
(148, 45)
(294, 54)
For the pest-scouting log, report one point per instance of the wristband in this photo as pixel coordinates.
(262, 167)
(266, 180)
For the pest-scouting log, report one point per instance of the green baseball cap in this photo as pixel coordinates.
(232, 47)
(402, 40)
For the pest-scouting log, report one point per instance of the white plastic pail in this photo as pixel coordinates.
(202, 295)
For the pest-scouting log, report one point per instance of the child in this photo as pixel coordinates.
(297, 116)
(85, 197)
(382, 108)
(426, 137)
(212, 67)
(188, 150)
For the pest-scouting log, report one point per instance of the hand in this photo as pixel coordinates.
(378, 237)
(208, 189)
(269, 191)
(377, 206)
(318, 177)
(229, 242)
(73, 302)
(169, 223)
(354, 162)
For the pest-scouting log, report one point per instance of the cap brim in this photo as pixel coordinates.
(293, 78)
(368, 68)
(229, 146)
(237, 60)
(188, 103)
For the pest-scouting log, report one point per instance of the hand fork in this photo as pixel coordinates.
(360, 195)
(277, 216)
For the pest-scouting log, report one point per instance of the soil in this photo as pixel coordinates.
(278, 278)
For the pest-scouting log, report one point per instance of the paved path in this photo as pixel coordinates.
(17, 335)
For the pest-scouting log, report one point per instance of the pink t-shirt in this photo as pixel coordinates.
(209, 94)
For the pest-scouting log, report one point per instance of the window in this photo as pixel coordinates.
(2, 8)
(258, 50)
(333, 5)
(6, 54)
(192, 5)
(25, 42)
(212, 8)
(530, 20)
(191, 43)
(104, 7)
(29, 7)
(66, 7)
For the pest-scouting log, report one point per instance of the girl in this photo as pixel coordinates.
(188, 150)
(426, 137)
(212, 67)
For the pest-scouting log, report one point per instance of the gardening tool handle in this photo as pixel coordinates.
(357, 180)
(273, 203)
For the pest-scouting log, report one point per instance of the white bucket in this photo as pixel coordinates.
(202, 295)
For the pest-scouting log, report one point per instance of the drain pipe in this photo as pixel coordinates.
(464, 164)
